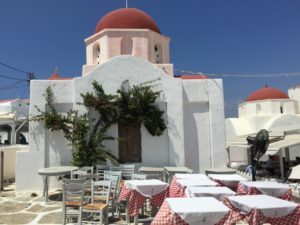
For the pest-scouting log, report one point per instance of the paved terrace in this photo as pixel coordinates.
(31, 209)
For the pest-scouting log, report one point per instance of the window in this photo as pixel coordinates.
(258, 109)
(281, 109)
(157, 54)
(130, 148)
(96, 54)
(126, 46)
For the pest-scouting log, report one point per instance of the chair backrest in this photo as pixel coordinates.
(76, 174)
(100, 171)
(115, 173)
(101, 189)
(73, 192)
(127, 170)
(88, 169)
(115, 168)
(137, 176)
(115, 183)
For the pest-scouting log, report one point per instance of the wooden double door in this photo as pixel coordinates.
(130, 148)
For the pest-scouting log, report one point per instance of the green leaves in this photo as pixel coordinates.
(130, 106)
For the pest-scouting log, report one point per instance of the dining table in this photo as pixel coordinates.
(170, 171)
(181, 181)
(278, 190)
(228, 180)
(152, 170)
(191, 211)
(54, 171)
(260, 209)
(218, 193)
(136, 192)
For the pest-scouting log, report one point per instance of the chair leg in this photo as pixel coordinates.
(113, 209)
(64, 216)
(106, 216)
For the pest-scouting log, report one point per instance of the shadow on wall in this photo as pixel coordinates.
(172, 129)
(57, 151)
(194, 113)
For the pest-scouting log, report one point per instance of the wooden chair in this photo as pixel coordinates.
(100, 171)
(139, 176)
(115, 189)
(88, 169)
(99, 203)
(127, 171)
(73, 199)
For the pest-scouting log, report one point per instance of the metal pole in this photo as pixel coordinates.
(253, 164)
(2, 170)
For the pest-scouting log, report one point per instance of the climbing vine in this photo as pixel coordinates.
(131, 105)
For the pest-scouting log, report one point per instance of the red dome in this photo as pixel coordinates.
(127, 18)
(267, 93)
(56, 76)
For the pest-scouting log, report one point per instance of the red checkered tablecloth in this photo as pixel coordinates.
(175, 190)
(256, 217)
(136, 200)
(222, 184)
(255, 191)
(166, 217)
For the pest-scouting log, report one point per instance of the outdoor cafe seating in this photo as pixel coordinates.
(189, 199)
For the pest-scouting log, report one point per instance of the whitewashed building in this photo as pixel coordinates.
(128, 45)
(271, 109)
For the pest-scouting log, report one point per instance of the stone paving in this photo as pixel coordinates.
(31, 209)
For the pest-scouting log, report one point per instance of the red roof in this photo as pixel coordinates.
(127, 18)
(56, 76)
(192, 77)
(266, 93)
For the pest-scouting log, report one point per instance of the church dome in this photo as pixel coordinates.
(127, 18)
(266, 93)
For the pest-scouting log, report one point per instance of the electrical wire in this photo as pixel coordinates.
(12, 78)
(24, 92)
(265, 75)
(13, 68)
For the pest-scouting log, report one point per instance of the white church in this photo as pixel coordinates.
(271, 109)
(128, 45)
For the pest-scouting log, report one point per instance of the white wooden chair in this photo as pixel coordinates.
(138, 176)
(100, 171)
(127, 171)
(73, 199)
(99, 203)
(115, 189)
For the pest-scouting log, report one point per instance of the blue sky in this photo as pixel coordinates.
(209, 36)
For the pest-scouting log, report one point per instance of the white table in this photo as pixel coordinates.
(228, 180)
(184, 183)
(147, 188)
(54, 171)
(190, 176)
(152, 170)
(171, 170)
(268, 188)
(217, 192)
(194, 211)
(270, 206)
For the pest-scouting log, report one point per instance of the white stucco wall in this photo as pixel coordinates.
(278, 116)
(204, 108)
(197, 103)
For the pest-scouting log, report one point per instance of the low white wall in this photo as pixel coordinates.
(9, 168)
